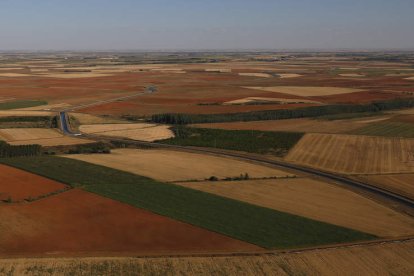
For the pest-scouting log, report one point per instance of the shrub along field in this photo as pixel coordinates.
(277, 143)
(20, 104)
(261, 226)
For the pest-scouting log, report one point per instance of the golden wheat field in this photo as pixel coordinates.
(399, 183)
(40, 136)
(315, 200)
(140, 131)
(168, 165)
(394, 258)
(351, 154)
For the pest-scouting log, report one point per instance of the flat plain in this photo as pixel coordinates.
(177, 166)
(316, 200)
(17, 185)
(378, 259)
(353, 113)
(141, 131)
(350, 154)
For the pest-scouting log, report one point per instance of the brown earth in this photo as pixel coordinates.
(296, 125)
(378, 259)
(18, 185)
(351, 154)
(81, 223)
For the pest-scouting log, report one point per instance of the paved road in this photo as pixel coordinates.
(405, 201)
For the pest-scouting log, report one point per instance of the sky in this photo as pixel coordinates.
(205, 25)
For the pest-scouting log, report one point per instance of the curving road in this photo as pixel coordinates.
(385, 194)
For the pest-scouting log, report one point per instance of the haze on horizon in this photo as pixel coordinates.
(204, 25)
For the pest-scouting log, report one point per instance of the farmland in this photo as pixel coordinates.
(178, 166)
(378, 259)
(17, 185)
(316, 200)
(257, 225)
(294, 125)
(352, 154)
(307, 91)
(81, 223)
(142, 132)
(400, 183)
(387, 129)
(40, 136)
(277, 143)
(20, 104)
(147, 168)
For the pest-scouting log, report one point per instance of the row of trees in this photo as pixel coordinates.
(46, 121)
(7, 150)
(312, 111)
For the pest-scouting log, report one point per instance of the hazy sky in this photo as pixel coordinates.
(205, 24)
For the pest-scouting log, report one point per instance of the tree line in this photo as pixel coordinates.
(312, 111)
(7, 150)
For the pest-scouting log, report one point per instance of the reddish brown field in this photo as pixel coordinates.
(80, 223)
(18, 185)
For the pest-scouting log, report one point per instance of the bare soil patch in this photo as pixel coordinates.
(295, 125)
(168, 165)
(18, 185)
(80, 223)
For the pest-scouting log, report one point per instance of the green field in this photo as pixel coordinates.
(387, 129)
(277, 143)
(20, 104)
(261, 226)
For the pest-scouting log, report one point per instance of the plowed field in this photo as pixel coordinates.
(81, 223)
(17, 185)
